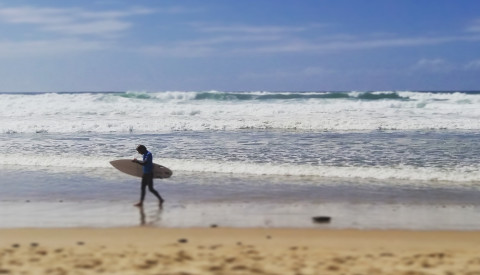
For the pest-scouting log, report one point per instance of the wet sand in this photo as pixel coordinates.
(150, 250)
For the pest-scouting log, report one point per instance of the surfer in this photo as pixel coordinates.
(147, 177)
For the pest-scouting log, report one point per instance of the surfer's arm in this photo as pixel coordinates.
(148, 160)
(139, 162)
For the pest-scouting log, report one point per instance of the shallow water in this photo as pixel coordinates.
(75, 199)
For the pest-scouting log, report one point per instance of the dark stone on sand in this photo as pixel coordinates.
(321, 219)
(213, 226)
(34, 244)
(80, 243)
(182, 240)
(269, 237)
(15, 245)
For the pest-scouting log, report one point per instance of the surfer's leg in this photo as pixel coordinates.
(152, 190)
(156, 194)
(142, 190)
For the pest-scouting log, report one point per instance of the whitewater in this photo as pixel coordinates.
(161, 112)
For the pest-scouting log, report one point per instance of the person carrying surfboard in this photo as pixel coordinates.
(147, 176)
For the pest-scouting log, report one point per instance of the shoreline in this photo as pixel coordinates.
(221, 250)
(251, 214)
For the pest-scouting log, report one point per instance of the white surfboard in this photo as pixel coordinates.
(136, 170)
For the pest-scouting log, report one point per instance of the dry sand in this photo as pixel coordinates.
(146, 250)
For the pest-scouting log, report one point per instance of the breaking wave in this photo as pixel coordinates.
(155, 112)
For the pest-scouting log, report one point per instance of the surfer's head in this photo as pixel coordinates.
(141, 149)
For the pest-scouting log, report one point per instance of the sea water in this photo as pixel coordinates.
(396, 159)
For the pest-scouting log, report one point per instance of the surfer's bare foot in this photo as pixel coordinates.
(160, 202)
(140, 204)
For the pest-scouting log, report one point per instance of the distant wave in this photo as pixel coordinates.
(268, 96)
(285, 96)
(263, 96)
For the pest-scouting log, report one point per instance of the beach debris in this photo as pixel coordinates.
(213, 225)
(386, 254)
(42, 252)
(80, 243)
(15, 245)
(34, 244)
(321, 219)
(182, 240)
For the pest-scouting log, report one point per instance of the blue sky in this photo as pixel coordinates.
(269, 45)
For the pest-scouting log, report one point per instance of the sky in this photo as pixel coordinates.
(247, 45)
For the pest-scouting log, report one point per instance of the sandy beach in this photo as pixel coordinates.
(149, 250)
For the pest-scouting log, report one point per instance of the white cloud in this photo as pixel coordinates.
(228, 39)
(473, 65)
(439, 65)
(71, 21)
(31, 15)
(251, 29)
(71, 30)
(327, 46)
(99, 27)
(206, 46)
(424, 62)
(177, 50)
(474, 26)
(436, 65)
(10, 49)
(278, 39)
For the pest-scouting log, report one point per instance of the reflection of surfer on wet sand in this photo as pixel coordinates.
(147, 176)
(154, 218)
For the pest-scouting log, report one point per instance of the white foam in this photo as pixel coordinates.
(54, 161)
(462, 175)
(171, 111)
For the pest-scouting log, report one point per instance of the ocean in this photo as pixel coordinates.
(384, 159)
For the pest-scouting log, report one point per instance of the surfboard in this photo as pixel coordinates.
(134, 169)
